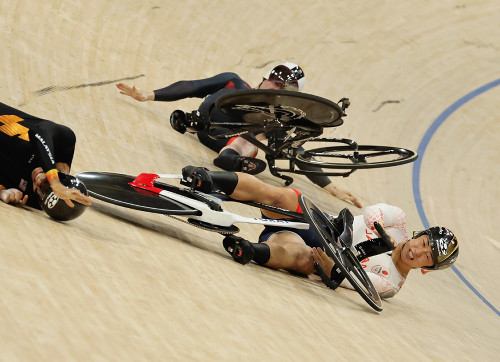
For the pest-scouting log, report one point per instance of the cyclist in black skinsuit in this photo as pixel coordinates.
(236, 154)
(210, 89)
(32, 151)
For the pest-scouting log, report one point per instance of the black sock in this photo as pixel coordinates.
(226, 181)
(262, 253)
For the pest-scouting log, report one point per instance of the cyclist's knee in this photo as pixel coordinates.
(304, 263)
(284, 198)
(242, 146)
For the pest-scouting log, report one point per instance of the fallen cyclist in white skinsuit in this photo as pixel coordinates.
(296, 250)
(381, 268)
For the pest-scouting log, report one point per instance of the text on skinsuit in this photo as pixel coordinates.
(45, 146)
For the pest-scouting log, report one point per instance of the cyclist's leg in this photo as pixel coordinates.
(289, 251)
(242, 186)
(214, 144)
(283, 250)
(250, 188)
(239, 155)
(241, 146)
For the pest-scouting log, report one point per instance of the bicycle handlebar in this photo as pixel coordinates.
(385, 237)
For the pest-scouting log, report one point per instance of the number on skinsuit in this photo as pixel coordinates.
(11, 127)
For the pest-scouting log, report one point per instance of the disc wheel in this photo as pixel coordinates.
(260, 106)
(346, 157)
(115, 188)
(340, 253)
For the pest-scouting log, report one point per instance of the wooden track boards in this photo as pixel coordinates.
(119, 284)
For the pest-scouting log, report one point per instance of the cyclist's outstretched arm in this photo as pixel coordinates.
(181, 89)
(326, 184)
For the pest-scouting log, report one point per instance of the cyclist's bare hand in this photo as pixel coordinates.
(68, 194)
(134, 92)
(324, 261)
(13, 196)
(343, 195)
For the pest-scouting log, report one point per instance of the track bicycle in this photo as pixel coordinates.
(202, 210)
(288, 120)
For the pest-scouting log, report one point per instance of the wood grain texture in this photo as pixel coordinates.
(117, 284)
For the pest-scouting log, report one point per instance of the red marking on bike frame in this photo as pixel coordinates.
(146, 181)
(365, 260)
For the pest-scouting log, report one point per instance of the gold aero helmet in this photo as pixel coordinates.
(288, 76)
(444, 245)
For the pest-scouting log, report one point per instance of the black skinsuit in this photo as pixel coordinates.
(210, 89)
(28, 142)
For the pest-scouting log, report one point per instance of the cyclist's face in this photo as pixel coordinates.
(278, 84)
(417, 253)
(269, 84)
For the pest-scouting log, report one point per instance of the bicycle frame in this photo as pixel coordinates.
(289, 120)
(221, 218)
(286, 148)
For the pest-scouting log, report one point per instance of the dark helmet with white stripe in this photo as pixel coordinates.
(288, 76)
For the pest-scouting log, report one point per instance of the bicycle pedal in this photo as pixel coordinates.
(178, 121)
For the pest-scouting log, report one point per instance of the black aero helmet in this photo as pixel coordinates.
(57, 208)
(288, 75)
(444, 245)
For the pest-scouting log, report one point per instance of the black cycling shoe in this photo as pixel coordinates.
(188, 122)
(240, 249)
(197, 178)
(178, 121)
(250, 165)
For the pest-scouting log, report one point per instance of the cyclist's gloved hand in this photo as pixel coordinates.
(197, 178)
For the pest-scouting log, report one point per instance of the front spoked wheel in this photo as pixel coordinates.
(341, 254)
(359, 156)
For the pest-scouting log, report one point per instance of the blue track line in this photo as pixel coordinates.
(418, 163)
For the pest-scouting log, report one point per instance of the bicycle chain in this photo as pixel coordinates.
(222, 232)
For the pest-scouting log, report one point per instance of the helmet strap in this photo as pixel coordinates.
(425, 271)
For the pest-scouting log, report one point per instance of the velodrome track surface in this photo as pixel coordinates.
(118, 284)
